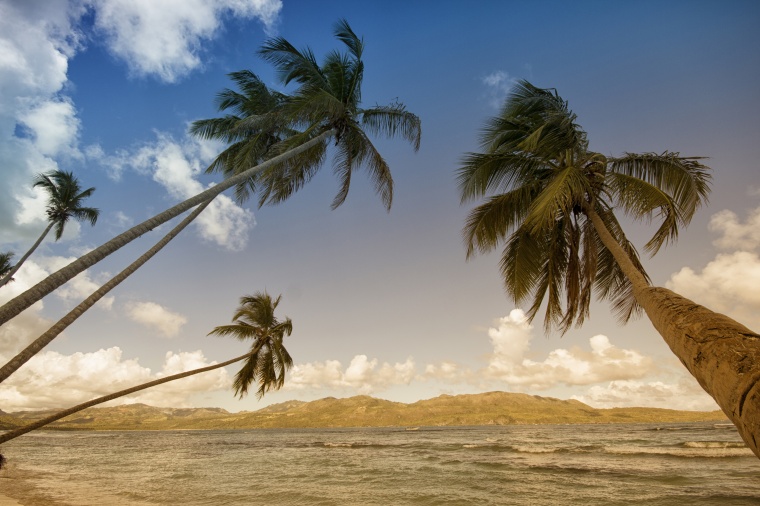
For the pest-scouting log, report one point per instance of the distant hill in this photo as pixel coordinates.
(492, 408)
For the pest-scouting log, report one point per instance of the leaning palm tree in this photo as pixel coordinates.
(551, 201)
(325, 106)
(266, 361)
(65, 198)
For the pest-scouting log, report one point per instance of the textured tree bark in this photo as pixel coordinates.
(722, 354)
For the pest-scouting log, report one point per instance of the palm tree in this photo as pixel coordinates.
(325, 106)
(5, 263)
(266, 361)
(551, 202)
(65, 198)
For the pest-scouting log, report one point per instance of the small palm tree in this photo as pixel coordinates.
(551, 201)
(65, 198)
(5, 263)
(266, 362)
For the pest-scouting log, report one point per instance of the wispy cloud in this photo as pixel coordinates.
(498, 84)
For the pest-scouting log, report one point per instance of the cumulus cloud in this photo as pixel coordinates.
(735, 234)
(685, 394)
(603, 362)
(165, 38)
(175, 166)
(728, 284)
(51, 380)
(36, 121)
(156, 316)
(53, 127)
(362, 375)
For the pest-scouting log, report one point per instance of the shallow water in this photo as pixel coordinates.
(672, 464)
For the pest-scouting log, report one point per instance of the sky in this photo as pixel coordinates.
(382, 303)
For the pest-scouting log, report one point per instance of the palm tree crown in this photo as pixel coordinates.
(65, 198)
(251, 130)
(543, 186)
(255, 319)
(326, 101)
(5, 263)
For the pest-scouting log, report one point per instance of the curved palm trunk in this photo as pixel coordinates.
(16, 267)
(722, 354)
(100, 400)
(38, 344)
(58, 278)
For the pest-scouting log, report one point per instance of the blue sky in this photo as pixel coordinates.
(382, 303)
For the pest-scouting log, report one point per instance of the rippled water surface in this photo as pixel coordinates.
(682, 464)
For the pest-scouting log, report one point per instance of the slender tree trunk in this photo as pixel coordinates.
(58, 278)
(38, 344)
(100, 400)
(16, 267)
(722, 354)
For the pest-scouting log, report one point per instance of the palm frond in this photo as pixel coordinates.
(490, 223)
(392, 120)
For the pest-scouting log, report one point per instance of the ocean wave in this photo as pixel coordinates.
(714, 444)
(694, 449)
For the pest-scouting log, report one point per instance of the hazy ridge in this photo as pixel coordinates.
(492, 408)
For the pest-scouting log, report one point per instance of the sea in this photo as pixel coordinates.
(637, 464)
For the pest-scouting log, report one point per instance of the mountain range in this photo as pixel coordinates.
(492, 408)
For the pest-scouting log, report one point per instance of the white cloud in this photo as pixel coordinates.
(735, 234)
(686, 394)
(604, 362)
(728, 284)
(157, 317)
(36, 40)
(165, 37)
(362, 375)
(51, 380)
(175, 166)
(53, 126)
